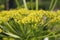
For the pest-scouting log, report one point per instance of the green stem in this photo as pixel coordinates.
(54, 4)
(31, 4)
(51, 4)
(17, 3)
(24, 1)
(36, 4)
(50, 36)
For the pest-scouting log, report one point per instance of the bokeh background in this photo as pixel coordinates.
(13, 4)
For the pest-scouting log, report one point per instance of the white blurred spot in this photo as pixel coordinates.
(46, 38)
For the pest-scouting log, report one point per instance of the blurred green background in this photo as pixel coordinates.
(43, 4)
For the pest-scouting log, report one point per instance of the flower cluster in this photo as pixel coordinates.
(38, 20)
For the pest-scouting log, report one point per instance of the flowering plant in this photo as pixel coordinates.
(30, 24)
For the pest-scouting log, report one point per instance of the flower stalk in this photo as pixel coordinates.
(51, 4)
(17, 3)
(54, 5)
(25, 5)
(36, 4)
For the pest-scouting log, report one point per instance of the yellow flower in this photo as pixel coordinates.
(1, 30)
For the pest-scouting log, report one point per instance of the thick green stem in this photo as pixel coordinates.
(17, 3)
(36, 4)
(51, 4)
(24, 1)
(54, 5)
